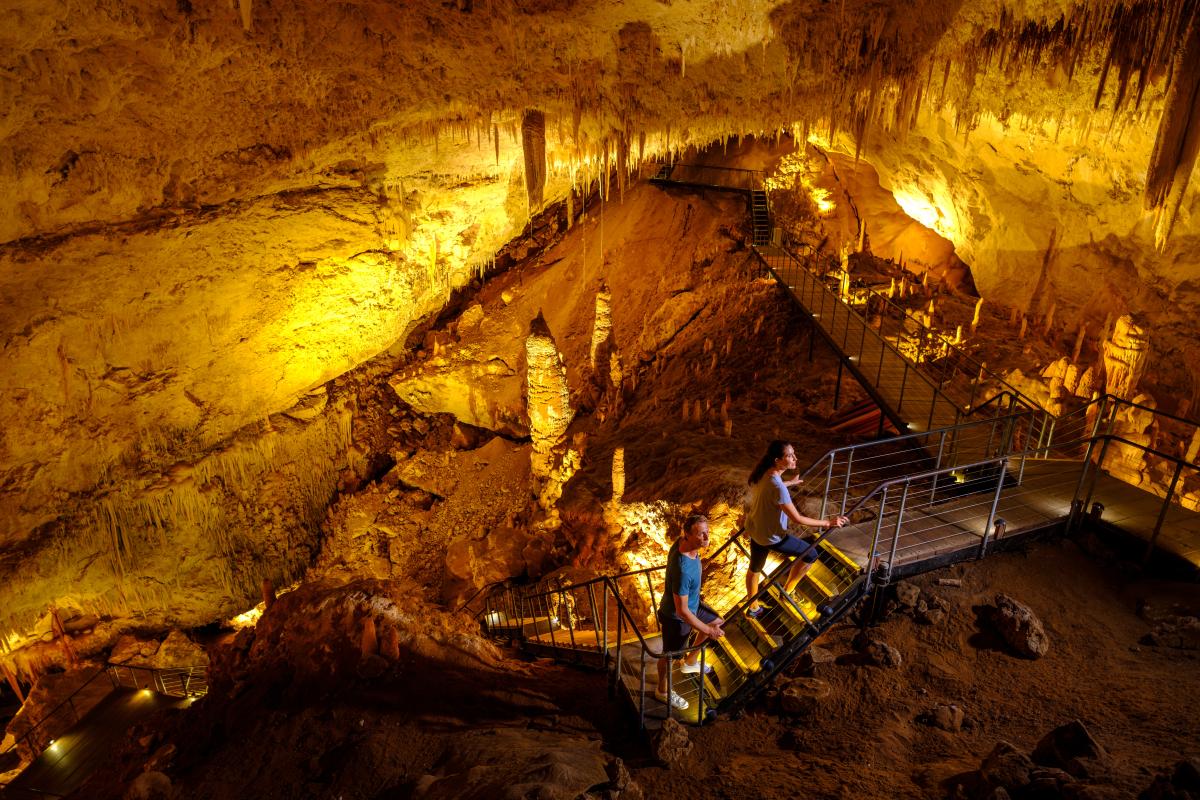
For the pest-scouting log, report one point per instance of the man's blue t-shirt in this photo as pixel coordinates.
(683, 577)
(765, 521)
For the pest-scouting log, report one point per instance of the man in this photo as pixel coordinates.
(680, 613)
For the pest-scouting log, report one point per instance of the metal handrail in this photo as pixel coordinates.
(811, 279)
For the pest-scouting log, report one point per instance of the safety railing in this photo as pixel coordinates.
(713, 176)
(1180, 493)
(915, 400)
(171, 681)
(958, 373)
(614, 618)
(845, 474)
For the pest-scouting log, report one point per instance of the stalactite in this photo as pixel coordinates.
(1178, 140)
(533, 142)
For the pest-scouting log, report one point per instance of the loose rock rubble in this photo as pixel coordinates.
(1179, 632)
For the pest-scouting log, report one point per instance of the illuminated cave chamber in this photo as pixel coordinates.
(223, 228)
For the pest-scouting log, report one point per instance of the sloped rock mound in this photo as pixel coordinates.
(321, 635)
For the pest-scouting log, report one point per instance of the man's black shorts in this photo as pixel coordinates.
(789, 546)
(675, 631)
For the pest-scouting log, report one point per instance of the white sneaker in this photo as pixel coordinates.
(676, 701)
(693, 669)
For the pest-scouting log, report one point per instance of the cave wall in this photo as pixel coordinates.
(212, 210)
(1049, 217)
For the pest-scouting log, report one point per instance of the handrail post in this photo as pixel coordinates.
(846, 488)
(875, 540)
(1096, 471)
(549, 622)
(650, 586)
(570, 620)
(879, 367)
(828, 480)
(642, 693)
(903, 383)
(1050, 436)
(604, 647)
(896, 534)
(620, 633)
(700, 679)
(1162, 514)
(1076, 508)
(987, 529)
(937, 466)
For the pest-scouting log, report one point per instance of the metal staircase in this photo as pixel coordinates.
(609, 622)
(760, 217)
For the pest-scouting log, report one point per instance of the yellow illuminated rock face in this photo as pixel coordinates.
(212, 210)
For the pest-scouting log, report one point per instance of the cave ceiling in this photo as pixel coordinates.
(211, 209)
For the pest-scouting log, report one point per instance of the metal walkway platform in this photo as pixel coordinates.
(73, 757)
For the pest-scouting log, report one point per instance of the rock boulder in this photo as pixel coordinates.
(1019, 627)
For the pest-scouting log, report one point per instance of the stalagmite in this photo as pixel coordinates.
(975, 318)
(1079, 342)
(618, 474)
(244, 8)
(1087, 383)
(1049, 324)
(533, 143)
(1024, 326)
(1193, 449)
(548, 401)
(602, 323)
(1126, 356)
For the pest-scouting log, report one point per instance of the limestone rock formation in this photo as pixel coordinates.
(548, 401)
(1126, 355)
(359, 626)
(1135, 424)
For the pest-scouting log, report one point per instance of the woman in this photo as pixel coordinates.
(767, 514)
